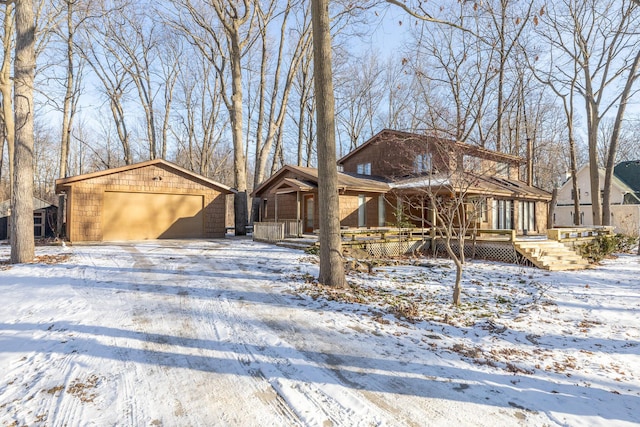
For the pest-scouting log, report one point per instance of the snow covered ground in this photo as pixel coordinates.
(233, 332)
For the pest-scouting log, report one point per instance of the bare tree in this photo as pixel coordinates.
(331, 260)
(199, 122)
(223, 31)
(599, 38)
(6, 89)
(101, 55)
(359, 93)
(565, 90)
(449, 196)
(134, 39)
(22, 237)
(272, 108)
(625, 95)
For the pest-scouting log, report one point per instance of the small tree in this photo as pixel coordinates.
(447, 197)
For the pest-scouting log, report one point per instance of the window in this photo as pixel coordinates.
(502, 217)
(364, 169)
(503, 169)
(483, 210)
(478, 209)
(381, 212)
(38, 224)
(471, 163)
(527, 220)
(422, 163)
(362, 205)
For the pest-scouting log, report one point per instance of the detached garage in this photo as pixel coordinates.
(149, 200)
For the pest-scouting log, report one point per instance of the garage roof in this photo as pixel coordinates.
(63, 182)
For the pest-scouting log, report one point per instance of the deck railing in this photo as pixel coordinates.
(268, 231)
(383, 233)
(574, 233)
(277, 231)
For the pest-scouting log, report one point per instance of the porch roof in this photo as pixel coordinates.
(473, 185)
(306, 179)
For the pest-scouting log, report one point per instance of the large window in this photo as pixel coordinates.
(381, 211)
(527, 220)
(422, 163)
(364, 169)
(502, 214)
(503, 170)
(362, 210)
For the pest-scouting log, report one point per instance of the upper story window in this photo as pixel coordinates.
(422, 163)
(364, 168)
(503, 170)
(471, 163)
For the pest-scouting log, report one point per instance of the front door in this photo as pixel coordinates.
(309, 207)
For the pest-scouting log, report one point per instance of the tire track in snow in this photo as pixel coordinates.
(315, 394)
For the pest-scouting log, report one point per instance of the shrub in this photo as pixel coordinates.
(603, 246)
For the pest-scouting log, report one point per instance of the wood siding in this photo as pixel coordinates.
(85, 199)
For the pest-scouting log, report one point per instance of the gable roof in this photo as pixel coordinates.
(629, 173)
(307, 179)
(5, 206)
(616, 182)
(197, 177)
(463, 147)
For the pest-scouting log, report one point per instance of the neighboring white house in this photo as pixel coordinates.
(625, 199)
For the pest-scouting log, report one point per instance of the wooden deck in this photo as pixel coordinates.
(542, 252)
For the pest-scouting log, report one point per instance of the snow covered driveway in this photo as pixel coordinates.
(181, 333)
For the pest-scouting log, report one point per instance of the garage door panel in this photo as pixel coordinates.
(139, 216)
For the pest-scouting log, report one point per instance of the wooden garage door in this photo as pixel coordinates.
(139, 216)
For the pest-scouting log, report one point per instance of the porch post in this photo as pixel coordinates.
(298, 220)
(276, 214)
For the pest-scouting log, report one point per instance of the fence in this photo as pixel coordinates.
(268, 231)
(276, 231)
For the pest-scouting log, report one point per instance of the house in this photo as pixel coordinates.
(625, 198)
(44, 219)
(381, 180)
(292, 194)
(149, 200)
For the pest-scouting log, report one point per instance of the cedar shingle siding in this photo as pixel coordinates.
(86, 196)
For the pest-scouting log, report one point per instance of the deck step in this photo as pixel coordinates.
(550, 255)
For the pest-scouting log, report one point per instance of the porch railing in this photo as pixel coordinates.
(292, 227)
(268, 231)
(277, 231)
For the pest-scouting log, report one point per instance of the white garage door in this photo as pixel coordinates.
(140, 216)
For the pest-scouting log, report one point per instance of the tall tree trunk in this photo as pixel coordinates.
(5, 88)
(331, 260)
(574, 177)
(552, 208)
(67, 113)
(22, 244)
(613, 145)
(239, 164)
